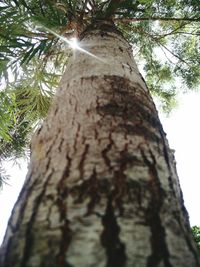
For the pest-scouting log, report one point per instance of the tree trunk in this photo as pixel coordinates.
(102, 188)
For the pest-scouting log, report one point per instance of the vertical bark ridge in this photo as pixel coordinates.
(21, 205)
(93, 192)
(120, 179)
(62, 190)
(14, 228)
(29, 237)
(76, 137)
(115, 249)
(83, 158)
(182, 219)
(176, 191)
(160, 251)
(105, 152)
(23, 194)
(90, 188)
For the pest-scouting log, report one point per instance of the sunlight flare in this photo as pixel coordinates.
(73, 43)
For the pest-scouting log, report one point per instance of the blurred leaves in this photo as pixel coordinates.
(196, 234)
(3, 176)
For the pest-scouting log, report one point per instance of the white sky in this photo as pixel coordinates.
(183, 132)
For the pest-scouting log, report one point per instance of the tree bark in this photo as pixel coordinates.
(102, 188)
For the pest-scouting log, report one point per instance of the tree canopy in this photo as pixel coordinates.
(164, 36)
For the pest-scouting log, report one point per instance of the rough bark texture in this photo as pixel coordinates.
(102, 188)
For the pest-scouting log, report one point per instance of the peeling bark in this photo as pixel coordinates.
(102, 189)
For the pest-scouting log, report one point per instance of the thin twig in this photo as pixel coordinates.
(160, 44)
(172, 32)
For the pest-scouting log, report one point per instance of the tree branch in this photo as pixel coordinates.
(112, 7)
(172, 32)
(125, 20)
(175, 55)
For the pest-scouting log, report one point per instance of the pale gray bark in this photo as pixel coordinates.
(102, 188)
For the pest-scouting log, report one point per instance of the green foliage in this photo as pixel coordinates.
(14, 129)
(196, 234)
(23, 104)
(164, 34)
(166, 37)
(31, 63)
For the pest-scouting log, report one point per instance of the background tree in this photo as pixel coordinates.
(196, 234)
(36, 30)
